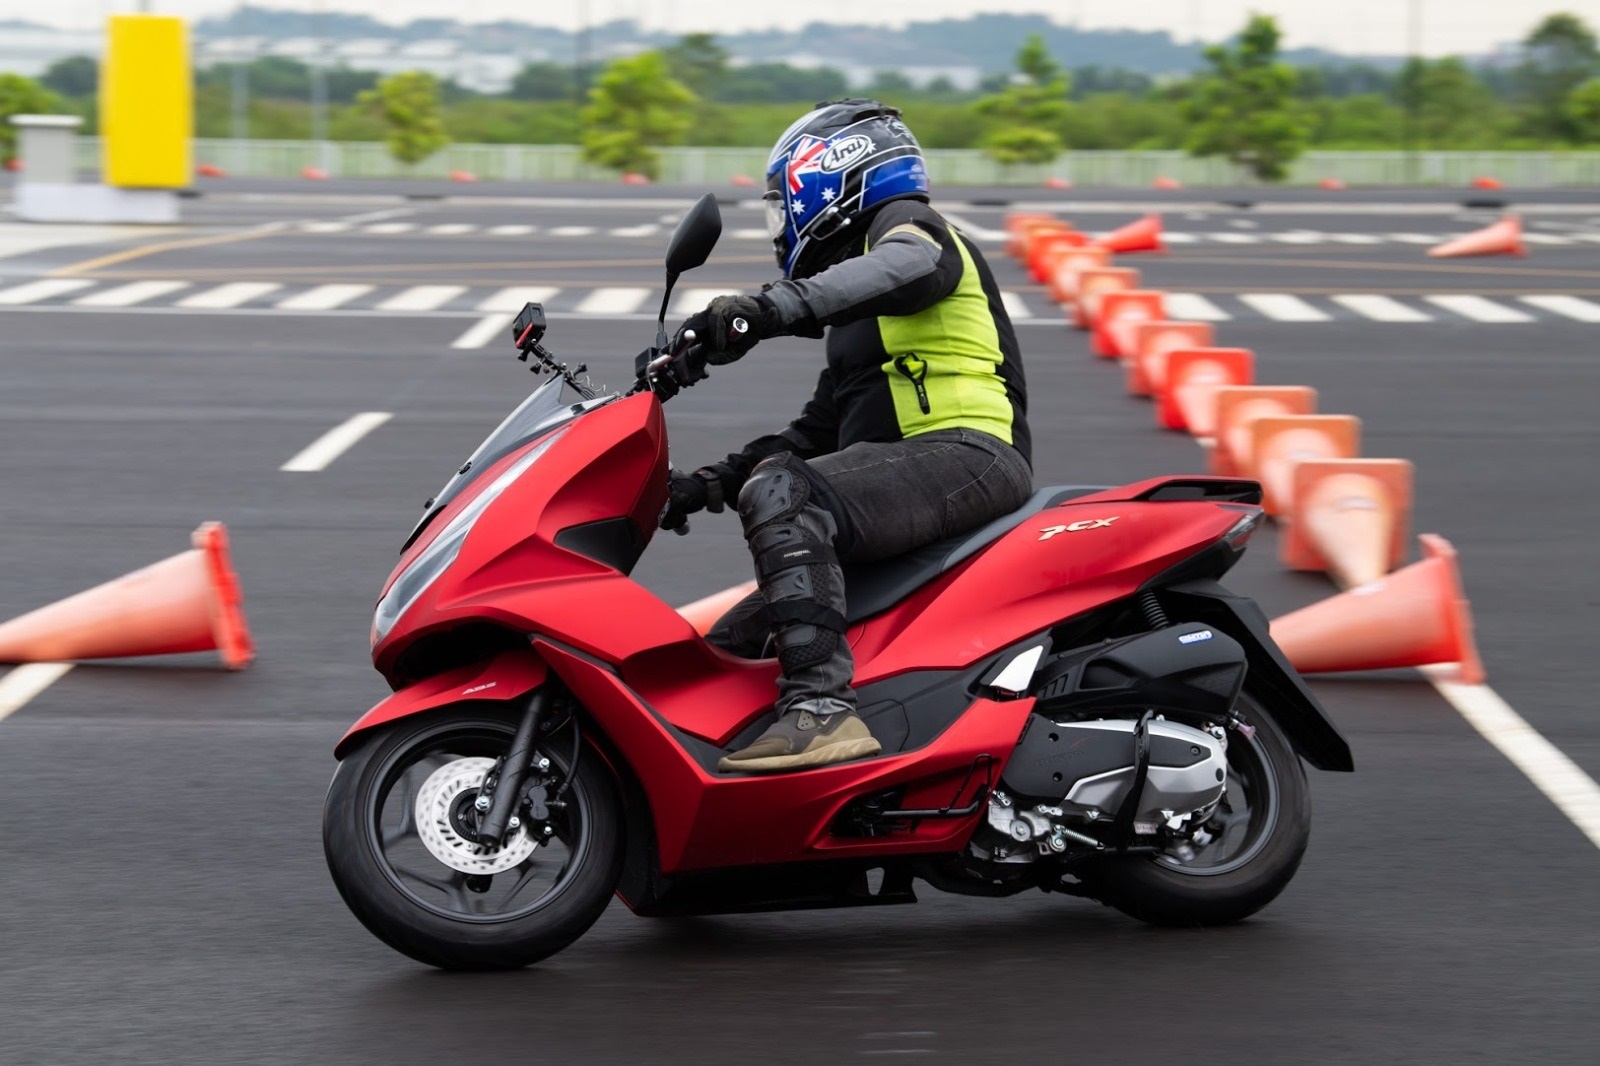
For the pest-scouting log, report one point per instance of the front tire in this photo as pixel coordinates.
(512, 906)
(1267, 814)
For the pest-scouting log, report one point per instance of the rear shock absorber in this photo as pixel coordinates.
(1153, 614)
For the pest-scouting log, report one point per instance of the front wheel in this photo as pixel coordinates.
(397, 829)
(1254, 841)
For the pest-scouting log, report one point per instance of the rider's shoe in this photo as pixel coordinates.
(800, 739)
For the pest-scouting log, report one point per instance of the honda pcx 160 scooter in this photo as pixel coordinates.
(1066, 698)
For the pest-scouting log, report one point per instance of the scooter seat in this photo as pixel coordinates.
(870, 588)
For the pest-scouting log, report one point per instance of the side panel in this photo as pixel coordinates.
(704, 820)
(146, 105)
(507, 676)
(1064, 561)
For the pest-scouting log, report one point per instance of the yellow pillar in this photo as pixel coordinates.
(146, 103)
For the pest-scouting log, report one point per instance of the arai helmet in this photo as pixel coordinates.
(837, 161)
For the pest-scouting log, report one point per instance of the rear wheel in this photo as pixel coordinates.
(1253, 842)
(398, 832)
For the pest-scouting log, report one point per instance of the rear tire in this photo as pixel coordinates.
(439, 915)
(1162, 891)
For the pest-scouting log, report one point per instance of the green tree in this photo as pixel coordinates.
(637, 106)
(542, 81)
(1447, 102)
(1583, 110)
(21, 96)
(408, 105)
(1244, 108)
(699, 62)
(1026, 115)
(1558, 55)
(76, 77)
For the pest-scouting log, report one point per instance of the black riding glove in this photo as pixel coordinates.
(716, 334)
(711, 488)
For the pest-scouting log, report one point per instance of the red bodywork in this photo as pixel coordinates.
(656, 689)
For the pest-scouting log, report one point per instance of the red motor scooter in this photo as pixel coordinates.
(1066, 698)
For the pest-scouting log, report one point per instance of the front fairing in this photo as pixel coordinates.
(605, 469)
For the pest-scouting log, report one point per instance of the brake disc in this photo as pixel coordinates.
(438, 797)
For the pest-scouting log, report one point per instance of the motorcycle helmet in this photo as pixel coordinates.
(837, 162)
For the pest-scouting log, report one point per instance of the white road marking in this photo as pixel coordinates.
(1381, 308)
(1478, 309)
(612, 301)
(1170, 237)
(34, 291)
(572, 231)
(422, 298)
(1544, 238)
(1282, 307)
(23, 238)
(1552, 772)
(25, 682)
(1569, 306)
(1355, 238)
(323, 297)
(1592, 238)
(325, 227)
(384, 228)
(1233, 238)
(635, 231)
(451, 229)
(970, 228)
(334, 443)
(128, 295)
(512, 230)
(511, 300)
(1192, 307)
(1014, 305)
(231, 295)
(688, 301)
(481, 332)
(1416, 238)
(1299, 236)
(763, 235)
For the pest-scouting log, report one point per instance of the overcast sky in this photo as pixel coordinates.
(1364, 26)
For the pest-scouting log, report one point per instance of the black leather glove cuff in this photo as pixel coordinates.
(722, 484)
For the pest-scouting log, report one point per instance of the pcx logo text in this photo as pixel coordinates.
(1077, 527)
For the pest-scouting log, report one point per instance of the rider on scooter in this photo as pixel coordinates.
(917, 430)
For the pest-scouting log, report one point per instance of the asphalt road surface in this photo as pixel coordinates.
(164, 900)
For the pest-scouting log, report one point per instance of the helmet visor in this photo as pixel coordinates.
(776, 216)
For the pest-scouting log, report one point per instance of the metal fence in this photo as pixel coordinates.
(717, 166)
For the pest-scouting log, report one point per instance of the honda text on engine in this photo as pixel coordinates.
(1067, 701)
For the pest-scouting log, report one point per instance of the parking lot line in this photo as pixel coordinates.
(1381, 308)
(422, 298)
(1566, 306)
(323, 297)
(230, 295)
(613, 300)
(1478, 309)
(1014, 305)
(1281, 307)
(47, 289)
(128, 295)
(25, 682)
(481, 332)
(511, 300)
(325, 449)
(688, 301)
(1192, 307)
(1547, 766)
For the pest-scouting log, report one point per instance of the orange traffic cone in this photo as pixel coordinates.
(1166, 183)
(1413, 617)
(313, 174)
(1187, 398)
(1057, 182)
(742, 181)
(1502, 238)
(1093, 285)
(1237, 408)
(1141, 236)
(703, 613)
(1331, 184)
(631, 178)
(1046, 248)
(464, 176)
(210, 170)
(1348, 517)
(1070, 265)
(1151, 343)
(1486, 182)
(1017, 225)
(1279, 443)
(190, 602)
(1120, 313)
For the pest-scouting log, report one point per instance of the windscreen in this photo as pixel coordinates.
(541, 412)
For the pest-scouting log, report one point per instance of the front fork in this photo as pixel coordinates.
(521, 776)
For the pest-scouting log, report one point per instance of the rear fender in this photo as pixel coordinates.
(508, 676)
(1270, 676)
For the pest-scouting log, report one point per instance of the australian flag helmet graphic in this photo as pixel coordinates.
(841, 159)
